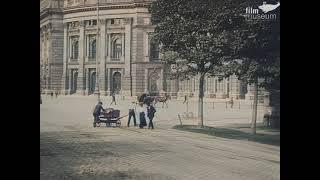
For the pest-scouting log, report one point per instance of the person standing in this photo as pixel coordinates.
(96, 113)
(113, 99)
(51, 94)
(151, 111)
(142, 115)
(132, 109)
(56, 93)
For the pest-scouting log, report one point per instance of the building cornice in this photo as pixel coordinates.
(76, 9)
(48, 12)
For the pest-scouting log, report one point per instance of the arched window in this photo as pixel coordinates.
(92, 49)
(116, 49)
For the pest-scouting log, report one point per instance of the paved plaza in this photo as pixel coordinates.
(70, 148)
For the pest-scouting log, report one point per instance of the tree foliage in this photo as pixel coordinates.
(197, 32)
(210, 35)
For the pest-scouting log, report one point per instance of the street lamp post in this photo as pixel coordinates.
(97, 90)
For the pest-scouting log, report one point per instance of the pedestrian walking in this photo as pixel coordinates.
(113, 99)
(185, 99)
(151, 111)
(231, 102)
(51, 94)
(96, 113)
(132, 109)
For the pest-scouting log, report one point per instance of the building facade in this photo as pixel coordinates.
(111, 48)
(51, 45)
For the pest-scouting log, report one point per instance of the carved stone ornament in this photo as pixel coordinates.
(154, 75)
(81, 24)
(102, 21)
(127, 21)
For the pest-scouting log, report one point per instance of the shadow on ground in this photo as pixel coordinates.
(234, 133)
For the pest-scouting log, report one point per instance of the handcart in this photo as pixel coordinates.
(110, 116)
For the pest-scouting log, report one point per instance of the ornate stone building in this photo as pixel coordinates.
(51, 44)
(119, 41)
(80, 43)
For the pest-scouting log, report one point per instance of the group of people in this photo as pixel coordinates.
(144, 110)
(56, 93)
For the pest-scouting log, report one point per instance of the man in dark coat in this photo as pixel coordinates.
(185, 99)
(96, 113)
(151, 111)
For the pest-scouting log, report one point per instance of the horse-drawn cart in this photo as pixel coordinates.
(110, 116)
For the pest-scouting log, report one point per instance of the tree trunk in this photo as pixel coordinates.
(255, 108)
(200, 103)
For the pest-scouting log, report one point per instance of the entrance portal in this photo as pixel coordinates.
(74, 82)
(116, 83)
(92, 83)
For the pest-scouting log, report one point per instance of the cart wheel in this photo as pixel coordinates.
(108, 124)
(98, 124)
(118, 123)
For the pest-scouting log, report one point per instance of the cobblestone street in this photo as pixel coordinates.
(70, 148)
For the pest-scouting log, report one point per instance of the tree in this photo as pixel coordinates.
(195, 37)
(257, 44)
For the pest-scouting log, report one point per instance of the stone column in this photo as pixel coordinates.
(226, 82)
(109, 47)
(250, 92)
(127, 57)
(235, 87)
(146, 81)
(221, 88)
(109, 81)
(46, 41)
(65, 59)
(70, 80)
(196, 86)
(146, 47)
(102, 51)
(82, 50)
(122, 35)
(162, 92)
(207, 87)
(87, 81)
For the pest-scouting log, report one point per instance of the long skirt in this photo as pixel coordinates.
(143, 121)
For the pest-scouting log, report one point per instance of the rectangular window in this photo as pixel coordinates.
(74, 49)
(92, 47)
(116, 21)
(154, 48)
